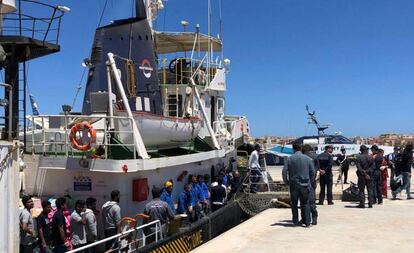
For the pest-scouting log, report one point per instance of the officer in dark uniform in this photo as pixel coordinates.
(324, 163)
(365, 166)
(376, 175)
(307, 150)
(344, 164)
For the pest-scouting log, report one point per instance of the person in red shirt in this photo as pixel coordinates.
(384, 174)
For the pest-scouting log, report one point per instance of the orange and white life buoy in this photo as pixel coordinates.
(86, 136)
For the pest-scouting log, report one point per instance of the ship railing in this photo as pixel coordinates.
(263, 183)
(49, 135)
(180, 70)
(45, 28)
(130, 240)
(233, 125)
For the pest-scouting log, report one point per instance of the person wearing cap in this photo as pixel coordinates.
(365, 166)
(324, 162)
(343, 162)
(376, 175)
(167, 196)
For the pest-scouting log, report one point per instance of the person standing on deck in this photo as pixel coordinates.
(77, 225)
(158, 209)
(406, 164)
(255, 172)
(167, 196)
(59, 239)
(27, 233)
(111, 217)
(43, 228)
(297, 173)
(91, 225)
(324, 163)
(185, 202)
(365, 166)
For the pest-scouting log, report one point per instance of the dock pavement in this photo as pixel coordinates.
(341, 228)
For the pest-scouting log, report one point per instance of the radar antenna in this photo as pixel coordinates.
(312, 120)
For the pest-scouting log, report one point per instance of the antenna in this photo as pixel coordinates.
(312, 120)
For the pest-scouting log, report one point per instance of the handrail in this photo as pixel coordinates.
(24, 24)
(46, 142)
(157, 224)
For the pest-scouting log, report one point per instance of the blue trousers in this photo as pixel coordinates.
(300, 194)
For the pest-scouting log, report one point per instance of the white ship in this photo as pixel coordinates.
(152, 111)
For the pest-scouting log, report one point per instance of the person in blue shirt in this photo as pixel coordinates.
(167, 196)
(196, 196)
(222, 173)
(204, 192)
(185, 203)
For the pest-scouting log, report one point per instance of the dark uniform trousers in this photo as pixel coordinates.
(300, 193)
(326, 181)
(362, 184)
(377, 182)
(312, 203)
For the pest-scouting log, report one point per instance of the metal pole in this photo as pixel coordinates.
(139, 144)
(110, 109)
(206, 120)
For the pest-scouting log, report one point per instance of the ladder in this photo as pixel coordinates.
(22, 99)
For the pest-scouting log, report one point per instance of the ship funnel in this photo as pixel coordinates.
(140, 10)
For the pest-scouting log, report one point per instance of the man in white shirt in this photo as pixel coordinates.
(77, 225)
(254, 168)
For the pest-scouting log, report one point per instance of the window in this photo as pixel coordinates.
(220, 108)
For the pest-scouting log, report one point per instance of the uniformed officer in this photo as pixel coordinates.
(376, 175)
(365, 166)
(344, 164)
(307, 150)
(324, 163)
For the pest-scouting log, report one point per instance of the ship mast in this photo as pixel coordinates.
(312, 120)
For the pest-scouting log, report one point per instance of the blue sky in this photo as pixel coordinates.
(350, 60)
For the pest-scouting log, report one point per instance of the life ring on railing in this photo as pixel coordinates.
(87, 136)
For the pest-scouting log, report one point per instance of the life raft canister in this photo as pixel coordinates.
(86, 133)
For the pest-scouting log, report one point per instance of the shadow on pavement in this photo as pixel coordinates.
(284, 223)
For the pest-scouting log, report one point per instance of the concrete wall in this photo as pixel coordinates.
(9, 198)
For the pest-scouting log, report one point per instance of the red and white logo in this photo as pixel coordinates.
(146, 68)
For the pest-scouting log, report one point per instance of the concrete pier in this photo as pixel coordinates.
(341, 228)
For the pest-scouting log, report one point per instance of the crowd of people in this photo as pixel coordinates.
(60, 228)
(301, 169)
